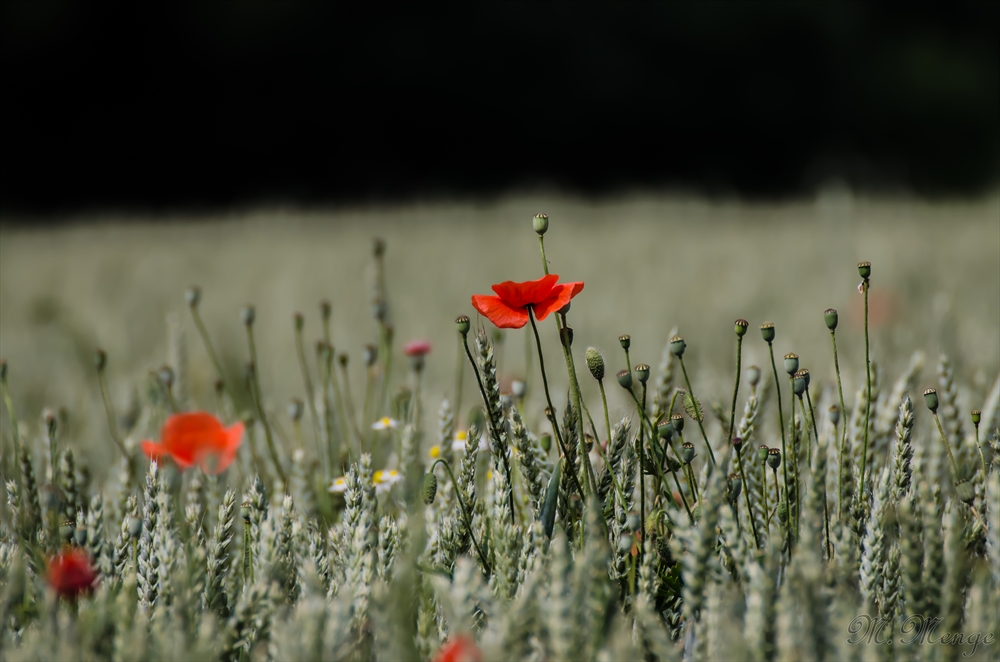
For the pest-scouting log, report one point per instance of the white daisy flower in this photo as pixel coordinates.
(385, 423)
(339, 485)
(458, 443)
(384, 480)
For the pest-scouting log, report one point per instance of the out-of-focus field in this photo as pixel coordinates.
(649, 264)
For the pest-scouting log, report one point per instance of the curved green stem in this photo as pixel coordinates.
(697, 419)
(659, 473)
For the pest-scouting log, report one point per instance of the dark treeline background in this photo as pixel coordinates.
(213, 104)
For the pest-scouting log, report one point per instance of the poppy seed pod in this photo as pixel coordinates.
(966, 491)
(664, 428)
(741, 327)
(767, 332)
(931, 398)
(625, 340)
(566, 336)
(595, 362)
(642, 373)
(791, 362)
(737, 444)
(325, 310)
(430, 488)
(540, 223)
(804, 373)
(100, 360)
(762, 453)
(295, 409)
(753, 375)
(379, 310)
(976, 417)
(300, 321)
(624, 378)
(247, 315)
(799, 384)
(830, 315)
(735, 487)
(865, 269)
(546, 441)
(677, 346)
(378, 247)
(677, 420)
(245, 511)
(369, 354)
(589, 439)
(774, 458)
(687, 452)
(193, 296)
(463, 324)
(834, 413)
(220, 386)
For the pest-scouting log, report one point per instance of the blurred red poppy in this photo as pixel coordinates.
(417, 348)
(70, 573)
(461, 648)
(509, 309)
(197, 438)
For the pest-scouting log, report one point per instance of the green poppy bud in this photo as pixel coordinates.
(774, 458)
(247, 315)
(566, 336)
(625, 379)
(804, 372)
(767, 332)
(664, 428)
(687, 452)
(625, 340)
(735, 487)
(66, 530)
(931, 398)
(753, 375)
(799, 383)
(830, 315)
(677, 346)
(134, 527)
(589, 441)
(741, 327)
(325, 310)
(834, 413)
(595, 362)
(783, 512)
(762, 453)
(430, 488)
(100, 360)
(541, 224)
(463, 324)
(865, 269)
(546, 441)
(642, 373)
(976, 417)
(966, 491)
(791, 362)
(193, 296)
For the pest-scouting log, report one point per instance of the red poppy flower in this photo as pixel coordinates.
(461, 648)
(417, 348)
(197, 438)
(70, 573)
(509, 309)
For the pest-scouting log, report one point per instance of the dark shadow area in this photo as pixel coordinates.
(214, 104)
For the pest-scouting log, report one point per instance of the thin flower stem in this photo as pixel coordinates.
(947, 446)
(842, 440)
(577, 402)
(746, 496)
(548, 398)
(310, 394)
(541, 247)
(459, 374)
(697, 418)
(203, 332)
(109, 409)
(465, 513)
(602, 452)
(736, 385)
(642, 474)
(794, 458)
(982, 459)
(688, 474)
(366, 414)
(659, 473)
(868, 396)
(334, 382)
(262, 417)
(350, 405)
(493, 424)
(767, 515)
(781, 421)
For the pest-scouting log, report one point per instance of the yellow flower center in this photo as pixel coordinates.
(435, 452)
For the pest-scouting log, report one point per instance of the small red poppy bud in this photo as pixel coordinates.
(70, 573)
(540, 223)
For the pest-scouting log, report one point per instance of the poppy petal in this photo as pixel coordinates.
(153, 450)
(519, 295)
(498, 312)
(561, 294)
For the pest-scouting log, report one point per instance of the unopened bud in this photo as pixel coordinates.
(595, 361)
(566, 335)
(783, 512)
(767, 332)
(541, 223)
(430, 488)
